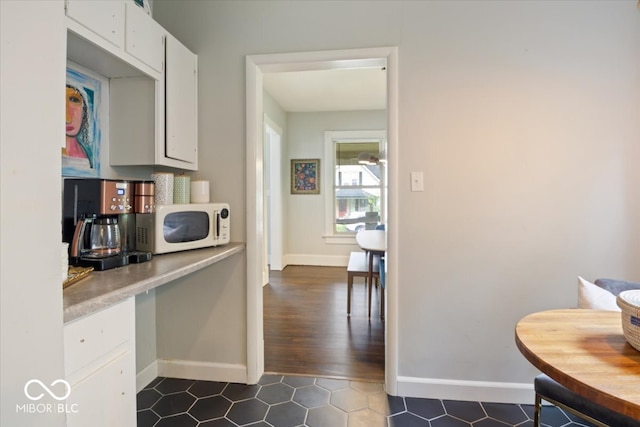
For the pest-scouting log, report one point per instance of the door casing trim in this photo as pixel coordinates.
(256, 66)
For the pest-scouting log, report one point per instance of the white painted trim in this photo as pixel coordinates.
(275, 183)
(393, 202)
(256, 65)
(473, 391)
(255, 236)
(323, 60)
(346, 239)
(146, 375)
(285, 261)
(319, 260)
(187, 369)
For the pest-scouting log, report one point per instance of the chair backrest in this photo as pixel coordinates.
(380, 227)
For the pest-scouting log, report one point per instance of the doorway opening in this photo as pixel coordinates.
(256, 66)
(307, 331)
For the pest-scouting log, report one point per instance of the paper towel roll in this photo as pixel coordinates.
(164, 187)
(181, 189)
(200, 192)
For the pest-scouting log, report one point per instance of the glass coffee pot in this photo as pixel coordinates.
(104, 238)
(96, 237)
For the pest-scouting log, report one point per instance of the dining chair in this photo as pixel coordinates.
(359, 267)
(381, 275)
(378, 255)
(383, 278)
(557, 394)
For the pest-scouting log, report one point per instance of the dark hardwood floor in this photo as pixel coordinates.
(307, 331)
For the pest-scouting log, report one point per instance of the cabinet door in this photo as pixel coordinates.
(103, 17)
(145, 37)
(105, 397)
(181, 102)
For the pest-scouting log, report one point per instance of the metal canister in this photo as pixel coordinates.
(144, 197)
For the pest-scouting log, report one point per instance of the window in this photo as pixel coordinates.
(354, 197)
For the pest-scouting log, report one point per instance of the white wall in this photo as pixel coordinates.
(274, 111)
(307, 244)
(200, 318)
(524, 122)
(32, 72)
(523, 117)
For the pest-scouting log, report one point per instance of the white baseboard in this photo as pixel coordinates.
(187, 369)
(148, 374)
(430, 388)
(475, 391)
(317, 260)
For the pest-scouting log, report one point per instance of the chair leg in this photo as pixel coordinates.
(349, 289)
(382, 306)
(537, 411)
(370, 291)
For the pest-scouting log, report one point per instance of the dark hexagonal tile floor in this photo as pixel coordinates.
(296, 401)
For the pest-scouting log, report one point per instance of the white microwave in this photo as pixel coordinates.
(182, 227)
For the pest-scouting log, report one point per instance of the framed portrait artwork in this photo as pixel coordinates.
(305, 176)
(84, 124)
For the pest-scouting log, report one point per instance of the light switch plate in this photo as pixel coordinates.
(417, 181)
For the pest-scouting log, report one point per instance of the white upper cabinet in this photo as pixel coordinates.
(181, 103)
(153, 82)
(155, 123)
(103, 17)
(115, 38)
(144, 37)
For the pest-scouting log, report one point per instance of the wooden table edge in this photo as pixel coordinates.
(605, 399)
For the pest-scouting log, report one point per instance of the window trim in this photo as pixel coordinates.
(330, 138)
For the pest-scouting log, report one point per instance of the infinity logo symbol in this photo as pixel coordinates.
(48, 390)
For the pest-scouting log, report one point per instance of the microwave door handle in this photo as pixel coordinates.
(217, 230)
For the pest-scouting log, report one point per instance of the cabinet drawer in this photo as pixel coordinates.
(91, 337)
(103, 17)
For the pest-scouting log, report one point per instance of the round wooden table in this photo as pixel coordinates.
(585, 351)
(372, 240)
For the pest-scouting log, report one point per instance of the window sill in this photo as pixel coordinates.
(340, 240)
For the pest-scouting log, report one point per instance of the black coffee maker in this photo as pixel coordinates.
(92, 209)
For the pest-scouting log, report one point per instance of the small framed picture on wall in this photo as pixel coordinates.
(305, 176)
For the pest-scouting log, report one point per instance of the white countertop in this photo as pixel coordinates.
(105, 288)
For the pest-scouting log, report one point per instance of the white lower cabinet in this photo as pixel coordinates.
(100, 367)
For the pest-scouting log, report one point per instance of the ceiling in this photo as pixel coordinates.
(328, 90)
